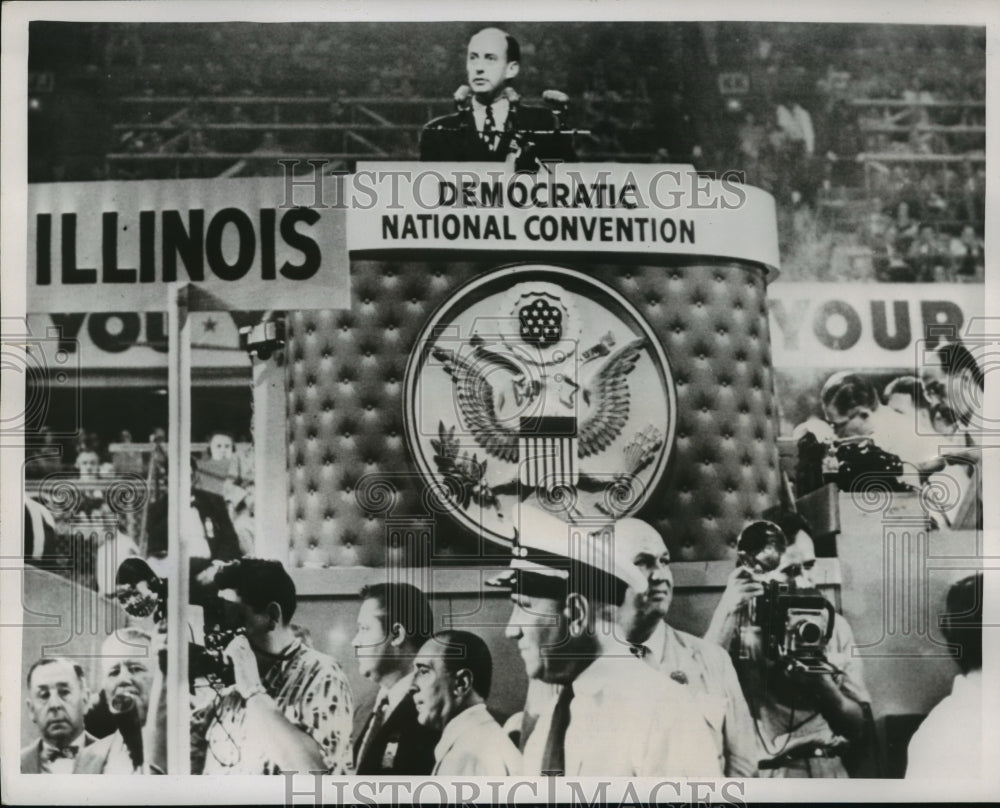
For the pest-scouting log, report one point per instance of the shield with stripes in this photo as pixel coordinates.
(548, 452)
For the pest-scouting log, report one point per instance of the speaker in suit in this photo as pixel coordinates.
(528, 130)
(491, 123)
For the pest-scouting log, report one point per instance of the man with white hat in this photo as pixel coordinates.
(614, 715)
(701, 666)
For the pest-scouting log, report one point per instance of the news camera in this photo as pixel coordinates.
(209, 661)
(796, 624)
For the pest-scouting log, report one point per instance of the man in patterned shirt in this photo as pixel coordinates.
(291, 707)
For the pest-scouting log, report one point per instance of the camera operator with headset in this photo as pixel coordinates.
(793, 656)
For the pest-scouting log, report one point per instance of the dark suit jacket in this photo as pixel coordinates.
(402, 743)
(454, 138)
(31, 755)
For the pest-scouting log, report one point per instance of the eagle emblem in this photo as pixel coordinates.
(542, 391)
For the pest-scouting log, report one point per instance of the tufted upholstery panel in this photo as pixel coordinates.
(345, 390)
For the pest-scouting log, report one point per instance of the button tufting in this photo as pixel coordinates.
(337, 358)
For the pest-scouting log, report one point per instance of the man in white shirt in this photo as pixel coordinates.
(614, 715)
(698, 664)
(948, 744)
(451, 683)
(57, 701)
(394, 621)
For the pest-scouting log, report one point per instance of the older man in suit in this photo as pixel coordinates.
(57, 702)
(131, 679)
(394, 621)
(492, 124)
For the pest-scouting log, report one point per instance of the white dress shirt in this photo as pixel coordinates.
(628, 720)
(474, 744)
(949, 743)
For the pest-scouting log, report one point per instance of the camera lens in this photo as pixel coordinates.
(809, 633)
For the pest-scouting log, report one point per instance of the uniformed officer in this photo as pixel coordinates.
(613, 715)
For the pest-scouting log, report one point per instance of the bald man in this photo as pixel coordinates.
(492, 124)
(701, 666)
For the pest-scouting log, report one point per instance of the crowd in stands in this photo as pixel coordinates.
(100, 503)
(859, 120)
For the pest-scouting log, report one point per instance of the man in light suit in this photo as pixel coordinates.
(492, 123)
(452, 681)
(614, 715)
(131, 674)
(394, 621)
(57, 702)
(698, 664)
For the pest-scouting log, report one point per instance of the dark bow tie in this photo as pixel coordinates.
(51, 753)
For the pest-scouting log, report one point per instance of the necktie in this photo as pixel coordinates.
(554, 757)
(52, 753)
(639, 651)
(374, 725)
(489, 128)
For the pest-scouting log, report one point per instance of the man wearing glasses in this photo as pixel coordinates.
(809, 723)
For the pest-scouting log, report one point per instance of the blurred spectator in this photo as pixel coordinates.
(221, 446)
(928, 256)
(906, 228)
(87, 464)
(905, 395)
(968, 253)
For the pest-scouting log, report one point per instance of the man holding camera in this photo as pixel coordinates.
(793, 655)
(290, 708)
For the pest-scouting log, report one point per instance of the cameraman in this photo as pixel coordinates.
(808, 717)
(290, 708)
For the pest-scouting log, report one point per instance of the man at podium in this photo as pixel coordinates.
(491, 124)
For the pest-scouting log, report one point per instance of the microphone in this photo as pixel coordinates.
(555, 98)
(125, 714)
(557, 101)
(463, 98)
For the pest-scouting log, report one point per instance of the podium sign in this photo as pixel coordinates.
(564, 207)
